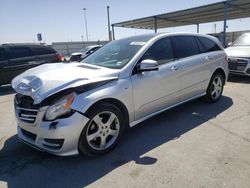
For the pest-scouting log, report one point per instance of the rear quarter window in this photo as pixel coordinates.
(185, 46)
(18, 52)
(43, 50)
(207, 45)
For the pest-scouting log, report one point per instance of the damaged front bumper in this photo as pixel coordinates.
(59, 137)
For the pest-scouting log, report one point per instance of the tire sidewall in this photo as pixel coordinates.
(209, 89)
(83, 144)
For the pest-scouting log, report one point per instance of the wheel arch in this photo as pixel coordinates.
(222, 72)
(115, 102)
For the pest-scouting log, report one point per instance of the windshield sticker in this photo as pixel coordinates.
(137, 43)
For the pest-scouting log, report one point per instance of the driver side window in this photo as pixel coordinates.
(161, 51)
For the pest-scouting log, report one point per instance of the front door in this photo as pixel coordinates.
(155, 90)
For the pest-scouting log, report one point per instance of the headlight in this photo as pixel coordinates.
(60, 108)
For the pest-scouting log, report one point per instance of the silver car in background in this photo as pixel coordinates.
(239, 56)
(85, 107)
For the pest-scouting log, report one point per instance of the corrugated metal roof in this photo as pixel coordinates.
(203, 14)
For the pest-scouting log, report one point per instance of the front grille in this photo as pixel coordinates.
(237, 64)
(26, 110)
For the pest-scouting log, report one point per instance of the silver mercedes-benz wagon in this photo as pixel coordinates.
(85, 107)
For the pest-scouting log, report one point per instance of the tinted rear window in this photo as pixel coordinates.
(43, 50)
(207, 45)
(18, 52)
(2, 54)
(185, 46)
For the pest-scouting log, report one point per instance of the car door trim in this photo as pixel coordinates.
(167, 108)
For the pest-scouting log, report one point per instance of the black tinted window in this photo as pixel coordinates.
(161, 51)
(185, 46)
(17, 52)
(43, 50)
(2, 54)
(94, 49)
(208, 45)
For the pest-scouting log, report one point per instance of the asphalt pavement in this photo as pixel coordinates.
(193, 145)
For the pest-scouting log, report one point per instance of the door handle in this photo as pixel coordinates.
(174, 68)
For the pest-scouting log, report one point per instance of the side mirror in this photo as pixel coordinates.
(229, 44)
(148, 65)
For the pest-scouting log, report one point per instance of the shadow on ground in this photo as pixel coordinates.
(6, 90)
(239, 79)
(22, 166)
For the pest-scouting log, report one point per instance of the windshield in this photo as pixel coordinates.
(243, 40)
(118, 53)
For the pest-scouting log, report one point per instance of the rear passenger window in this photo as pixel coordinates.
(18, 52)
(185, 46)
(161, 51)
(2, 54)
(208, 45)
(42, 51)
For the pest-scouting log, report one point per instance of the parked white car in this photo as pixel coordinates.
(79, 56)
(239, 55)
(85, 107)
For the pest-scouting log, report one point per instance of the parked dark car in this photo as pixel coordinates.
(16, 58)
(79, 56)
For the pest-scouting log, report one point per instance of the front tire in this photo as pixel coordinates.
(215, 88)
(103, 131)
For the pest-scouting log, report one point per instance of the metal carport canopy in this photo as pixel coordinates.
(208, 13)
(224, 10)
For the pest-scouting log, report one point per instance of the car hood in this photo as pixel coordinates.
(45, 80)
(238, 51)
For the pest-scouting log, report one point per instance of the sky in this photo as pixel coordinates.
(63, 20)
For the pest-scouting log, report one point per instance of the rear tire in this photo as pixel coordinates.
(215, 88)
(103, 131)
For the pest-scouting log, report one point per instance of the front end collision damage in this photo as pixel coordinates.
(70, 128)
(67, 129)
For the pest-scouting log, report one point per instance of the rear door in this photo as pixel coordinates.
(44, 54)
(3, 63)
(20, 59)
(194, 66)
(212, 54)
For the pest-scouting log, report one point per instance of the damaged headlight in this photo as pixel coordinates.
(60, 108)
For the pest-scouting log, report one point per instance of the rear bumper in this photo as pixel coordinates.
(61, 139)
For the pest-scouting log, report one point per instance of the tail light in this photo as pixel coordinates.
(59, 57)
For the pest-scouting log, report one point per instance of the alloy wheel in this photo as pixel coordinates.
(103, 130)
(217, 86)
